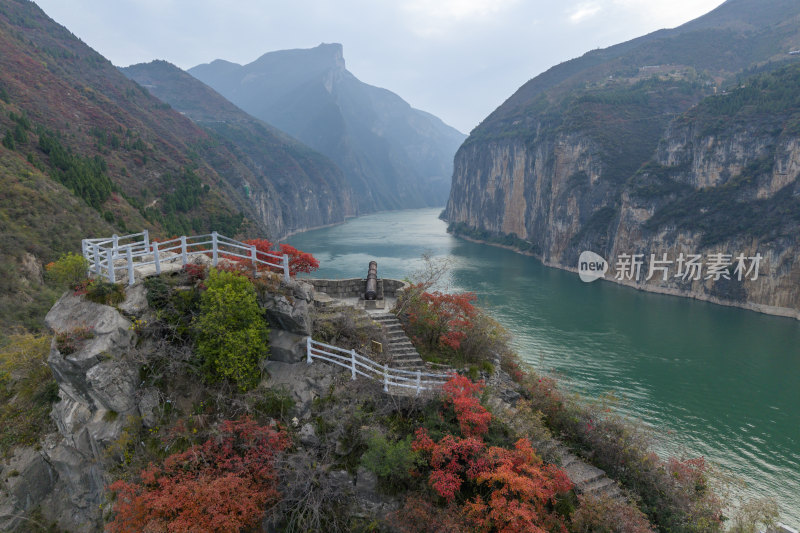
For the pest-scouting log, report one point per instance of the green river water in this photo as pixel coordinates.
(710, 380)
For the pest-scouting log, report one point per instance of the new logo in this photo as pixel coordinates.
(591, 266)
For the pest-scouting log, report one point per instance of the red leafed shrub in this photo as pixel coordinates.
(503, 490)
(299, 261)
(473, 418)
(195, 272)
(443, 319)
(522, 490)
(221, 485)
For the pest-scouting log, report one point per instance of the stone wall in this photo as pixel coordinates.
(354, 287)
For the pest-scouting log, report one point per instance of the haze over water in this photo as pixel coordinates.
(711, 380)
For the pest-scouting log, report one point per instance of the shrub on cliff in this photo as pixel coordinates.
(494, 488)
(449, 327)
(70, 269)
(231, 332)
(677, 495)
(222, 485)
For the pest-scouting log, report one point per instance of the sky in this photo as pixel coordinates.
(457, 59)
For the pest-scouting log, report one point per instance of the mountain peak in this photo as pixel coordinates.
(334, 50)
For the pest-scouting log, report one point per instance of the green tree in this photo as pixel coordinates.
(230, 328)
(69, 270)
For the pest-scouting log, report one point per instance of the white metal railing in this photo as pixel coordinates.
(106, 256)
(364, 366)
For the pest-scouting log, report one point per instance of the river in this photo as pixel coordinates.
(714, 381)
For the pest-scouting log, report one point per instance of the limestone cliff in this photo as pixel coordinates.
(657, 159)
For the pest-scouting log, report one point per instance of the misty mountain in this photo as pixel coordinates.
(394, 156)
(297, 187)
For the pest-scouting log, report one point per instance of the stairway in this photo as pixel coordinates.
(588, 479)
(403, 354)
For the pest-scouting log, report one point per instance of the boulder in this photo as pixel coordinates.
(75, 504)
(135, 303)
(305, 382)
(28, 480)
(307, 435)
(148, 403)
(287, 347)
(288, 315)
(112, 386)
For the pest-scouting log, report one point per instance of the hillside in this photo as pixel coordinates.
(560, 167)
(191, 403)
(99, 154)
(393, 156)
(301, 188)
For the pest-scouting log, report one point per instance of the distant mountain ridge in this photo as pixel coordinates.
(394, 156)
(297, 187)
(611, 152)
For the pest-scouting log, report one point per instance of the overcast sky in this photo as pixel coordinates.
(457, 59)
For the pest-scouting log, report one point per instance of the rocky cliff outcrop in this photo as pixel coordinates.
(96, 358)
(600, 155)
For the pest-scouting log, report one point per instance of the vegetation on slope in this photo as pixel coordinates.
(766, 106)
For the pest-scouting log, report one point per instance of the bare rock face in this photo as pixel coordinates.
(31, 268)
(97, 390)
(286, 347)
(554, 197)
(289, 312)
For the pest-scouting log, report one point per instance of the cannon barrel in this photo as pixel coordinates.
(371, 292)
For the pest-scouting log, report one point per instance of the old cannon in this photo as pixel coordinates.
(371, 292)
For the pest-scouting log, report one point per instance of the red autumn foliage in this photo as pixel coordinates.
(299, 261)
(514, 491)
(195, 272)
(473, 418)
(521, 488)
(221, 485)
(444, 319)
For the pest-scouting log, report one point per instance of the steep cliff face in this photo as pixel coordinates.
(725, 179)
(600, 154)
(543, 193)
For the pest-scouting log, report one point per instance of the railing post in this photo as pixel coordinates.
(130, 265)
(115, 237)
(183, 250)
(214, 257)
(156, 259)
(352, 364)
(308, 349)
(110, 265)
(385, 378)
(285, 268)
(418, 380)
(97, 268)
(85, 254)
(254, 258)
(146, 241)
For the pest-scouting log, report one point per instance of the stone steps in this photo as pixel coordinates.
(403, 354)
(588, 479)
